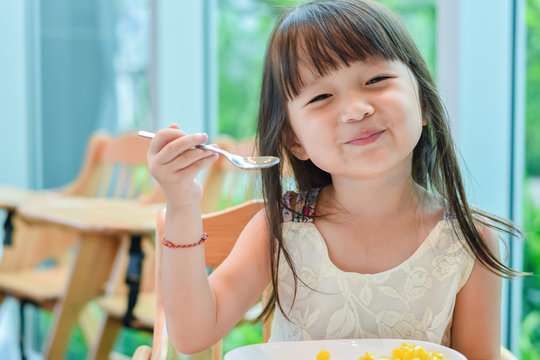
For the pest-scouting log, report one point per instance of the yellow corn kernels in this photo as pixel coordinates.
(405, 352)
(323, 355)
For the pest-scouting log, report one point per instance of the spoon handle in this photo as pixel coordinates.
(213, 149)
(146, 134)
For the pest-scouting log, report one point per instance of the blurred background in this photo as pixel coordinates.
(70, 68)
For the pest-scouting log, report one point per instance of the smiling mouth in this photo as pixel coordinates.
(366, 139)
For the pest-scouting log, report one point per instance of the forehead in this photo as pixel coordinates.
(309, 74)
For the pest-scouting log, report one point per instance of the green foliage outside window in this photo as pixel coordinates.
(532, 137)
(530, 327)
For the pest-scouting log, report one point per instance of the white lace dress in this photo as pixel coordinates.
(414, 300)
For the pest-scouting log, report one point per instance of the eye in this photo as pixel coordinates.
(377, 79)
(319, 98)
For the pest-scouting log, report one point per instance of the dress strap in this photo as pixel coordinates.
(448, 213)
(299, 207)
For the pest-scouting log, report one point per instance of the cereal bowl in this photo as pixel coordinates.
(338, 349)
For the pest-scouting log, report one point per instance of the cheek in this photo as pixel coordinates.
(409, 122)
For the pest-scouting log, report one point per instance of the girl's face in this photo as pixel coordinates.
(358, 121)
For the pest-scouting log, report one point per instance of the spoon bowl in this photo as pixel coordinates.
(242, 162)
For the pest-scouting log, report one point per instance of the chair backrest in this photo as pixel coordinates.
(225, 227)
(115, 167)
(240, 185)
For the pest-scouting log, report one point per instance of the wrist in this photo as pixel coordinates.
(183, 206)
(172, 245)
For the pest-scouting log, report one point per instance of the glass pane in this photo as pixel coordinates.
(243, 30)
(93, 74)
(530, 327)
(132, 64)
(419, 16)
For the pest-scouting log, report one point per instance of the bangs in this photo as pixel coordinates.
(326, 35)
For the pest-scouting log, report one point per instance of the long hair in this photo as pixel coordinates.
(325, 35)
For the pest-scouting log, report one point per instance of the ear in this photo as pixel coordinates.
(293, 145)
(424, 121)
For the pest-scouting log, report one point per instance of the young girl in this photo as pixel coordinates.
(378, 241)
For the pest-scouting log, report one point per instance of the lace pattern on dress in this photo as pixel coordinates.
(413, 300)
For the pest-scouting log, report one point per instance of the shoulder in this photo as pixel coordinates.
(489, 236)
(487, 241)
(299, 207)
(253, 241)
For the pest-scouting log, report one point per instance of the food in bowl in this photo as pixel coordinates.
(404, 352)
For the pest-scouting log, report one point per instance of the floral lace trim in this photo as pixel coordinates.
(304, 207)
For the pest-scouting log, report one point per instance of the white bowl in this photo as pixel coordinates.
(338, 349)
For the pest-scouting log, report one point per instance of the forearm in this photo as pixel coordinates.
(188, 299)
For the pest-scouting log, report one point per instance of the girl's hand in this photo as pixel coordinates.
(174, 163)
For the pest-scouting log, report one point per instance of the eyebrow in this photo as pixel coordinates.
(313, 77)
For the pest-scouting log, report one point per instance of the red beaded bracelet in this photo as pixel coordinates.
(169, 244)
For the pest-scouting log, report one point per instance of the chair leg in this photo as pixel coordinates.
(217, 350)
(80, 289)
(108, 332)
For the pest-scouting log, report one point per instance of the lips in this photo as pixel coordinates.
(366, 138)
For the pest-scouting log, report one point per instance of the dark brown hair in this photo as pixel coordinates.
(325, 35)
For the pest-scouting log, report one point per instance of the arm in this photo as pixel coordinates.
(477, 316)
(199, 310)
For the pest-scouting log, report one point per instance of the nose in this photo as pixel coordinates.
(356, 108)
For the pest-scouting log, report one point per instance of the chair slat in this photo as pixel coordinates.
(122, 178)
(103, 182)
(129, 188)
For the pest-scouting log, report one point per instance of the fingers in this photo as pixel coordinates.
(172, 142)
(163, 137)
(183, 145)
(197, 166)
(186, 158)
(173, 151)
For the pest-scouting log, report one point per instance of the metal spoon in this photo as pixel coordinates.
(243, 162)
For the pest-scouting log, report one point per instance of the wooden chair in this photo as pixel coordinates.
(224, 186)
(113, 167)
(225, 227)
